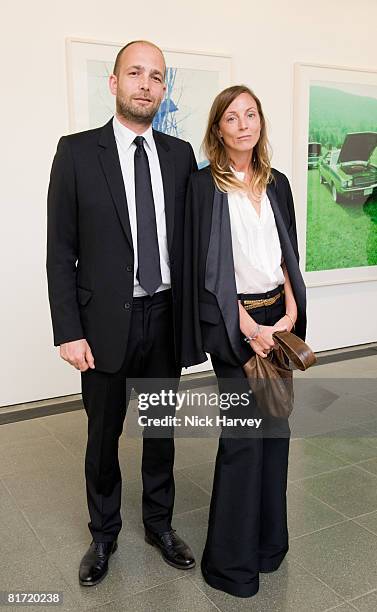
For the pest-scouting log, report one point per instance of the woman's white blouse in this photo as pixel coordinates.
(256, 245)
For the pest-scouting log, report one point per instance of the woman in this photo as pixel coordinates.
(242, 283)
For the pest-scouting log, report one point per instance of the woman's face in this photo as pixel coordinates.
(240, 124)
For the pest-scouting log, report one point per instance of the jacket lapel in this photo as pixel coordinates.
(167, 166)
(286, 246)
(109, 159)
(219, 274)
(285, 242)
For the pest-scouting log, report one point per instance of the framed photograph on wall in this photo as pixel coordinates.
(335, 172)
(193, 80)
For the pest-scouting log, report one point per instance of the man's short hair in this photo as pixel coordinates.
(133, 42)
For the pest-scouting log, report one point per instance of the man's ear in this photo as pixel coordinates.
(113, 84)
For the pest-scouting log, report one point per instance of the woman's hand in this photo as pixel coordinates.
(263, 344)
(288, 321)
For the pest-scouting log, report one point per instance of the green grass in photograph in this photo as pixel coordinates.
(338, 235)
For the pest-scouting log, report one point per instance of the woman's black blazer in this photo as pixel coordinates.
(210, 322)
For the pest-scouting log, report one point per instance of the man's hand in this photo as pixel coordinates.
(78, 354)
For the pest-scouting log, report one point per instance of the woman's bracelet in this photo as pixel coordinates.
(256, 333)
(290, 318)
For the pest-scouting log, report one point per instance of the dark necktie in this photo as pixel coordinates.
(149, 271)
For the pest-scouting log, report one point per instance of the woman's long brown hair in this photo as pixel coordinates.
(217, 155)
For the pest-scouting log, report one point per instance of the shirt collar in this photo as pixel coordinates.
(125, 136)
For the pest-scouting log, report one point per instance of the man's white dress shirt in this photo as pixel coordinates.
(126, 149)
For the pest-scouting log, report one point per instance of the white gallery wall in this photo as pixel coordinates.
(264, 39)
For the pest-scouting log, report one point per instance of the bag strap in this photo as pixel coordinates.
(295, 349)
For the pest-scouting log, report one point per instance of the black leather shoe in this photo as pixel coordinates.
(173, 549)
(94, 564)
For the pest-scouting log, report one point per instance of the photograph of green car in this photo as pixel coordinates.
(341, 226)
(347, 171)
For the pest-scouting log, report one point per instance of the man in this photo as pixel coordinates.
(114, 260)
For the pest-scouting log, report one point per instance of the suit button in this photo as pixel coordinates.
(127, 305)
(129, 268)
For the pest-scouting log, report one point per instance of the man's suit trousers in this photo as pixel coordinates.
(149, 354)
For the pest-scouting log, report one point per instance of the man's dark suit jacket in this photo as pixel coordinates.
(90, 262)
(210, 308)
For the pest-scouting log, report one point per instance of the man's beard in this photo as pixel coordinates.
(132, 112)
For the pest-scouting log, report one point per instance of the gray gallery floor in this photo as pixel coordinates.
(332, 562)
